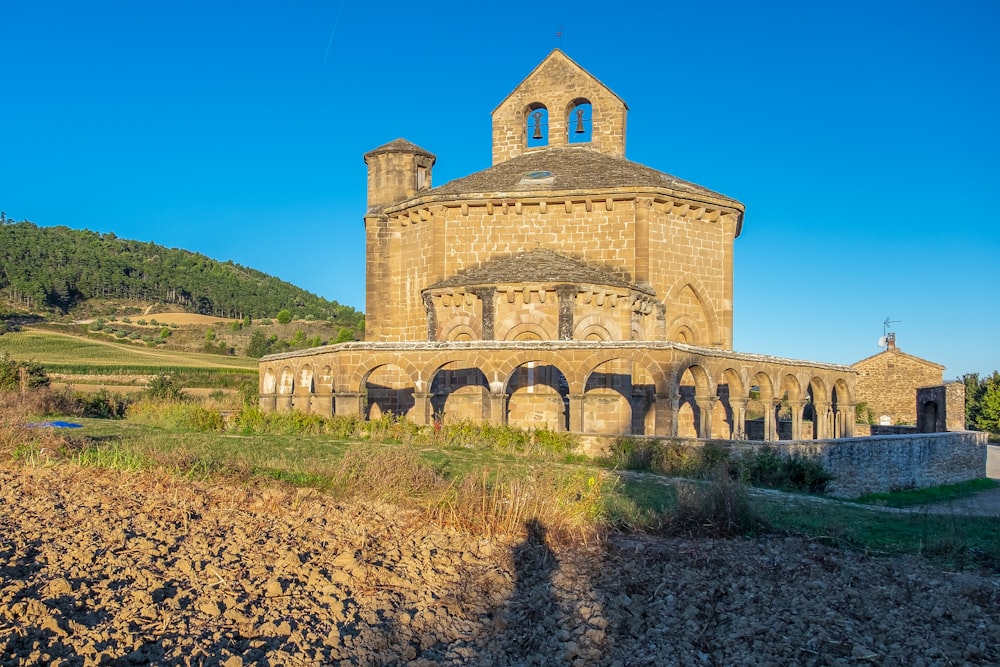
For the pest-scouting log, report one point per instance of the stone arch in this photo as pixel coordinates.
(682, 330)
(270, 382)
(538, 396)
(728, 411)
(459, 392)
(389, 389)
(818, 408)
(790, 387)
(463, 330)
(325, 382)
(360, 373)
(304, 388)
(593, 327)
(286, 385)
(761, 415)
(927, 417)
(843, 409)
(688, 301)
(527, 331)
(579, 121)
(536, 125)
(693, 388)
(305, 381)
(788, 412)
(607, 398)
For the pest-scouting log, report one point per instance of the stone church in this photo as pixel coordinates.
(564, 287)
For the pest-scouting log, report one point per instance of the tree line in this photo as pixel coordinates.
(57, 268)
(982, 402)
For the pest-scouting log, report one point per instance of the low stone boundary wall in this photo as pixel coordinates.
(874, 464)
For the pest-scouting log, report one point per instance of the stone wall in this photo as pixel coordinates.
(941, 408)
(870, 465)
(556, 86)
(888, 383)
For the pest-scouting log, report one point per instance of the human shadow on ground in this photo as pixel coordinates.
(533, 613)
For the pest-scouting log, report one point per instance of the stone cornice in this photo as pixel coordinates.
(556, 345)
(596, 197)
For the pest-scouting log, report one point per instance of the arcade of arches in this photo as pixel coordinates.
(662, 389)
(563, 287)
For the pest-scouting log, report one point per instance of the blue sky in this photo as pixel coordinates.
(862, 137)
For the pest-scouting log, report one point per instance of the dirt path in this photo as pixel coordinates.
(101, 567)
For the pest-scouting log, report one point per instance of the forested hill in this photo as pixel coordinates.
(58, 267)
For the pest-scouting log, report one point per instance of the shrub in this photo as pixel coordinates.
(164, 387)
(284, 316)
(767, 467)
(717, 508)
(11, 369)
(103, 405)
(632, 453)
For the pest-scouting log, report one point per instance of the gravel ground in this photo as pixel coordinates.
(98, 567)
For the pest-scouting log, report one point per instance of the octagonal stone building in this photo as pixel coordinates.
(564, 287)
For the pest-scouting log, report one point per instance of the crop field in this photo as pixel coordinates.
(64, 353)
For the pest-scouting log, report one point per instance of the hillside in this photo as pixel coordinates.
(58, 269)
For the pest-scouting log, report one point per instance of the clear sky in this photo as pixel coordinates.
(861, 135)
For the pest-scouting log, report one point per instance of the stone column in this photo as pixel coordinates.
(643, 206)
(421, 410)
(705, 405)
(349, 404)
(431, 316)
(322, 404)
(739, 408)
(266, 402)
(821, 420)
(849, 420)
(771, 407)
(797, 407)
(665, 407)
(576, 405)
(567, 300)
(302, 401)
(498, 408)
(487, 297)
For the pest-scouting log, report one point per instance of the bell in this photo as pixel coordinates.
(538, 125)
(579, 121)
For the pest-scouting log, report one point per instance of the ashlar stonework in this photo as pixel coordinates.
(564, 287)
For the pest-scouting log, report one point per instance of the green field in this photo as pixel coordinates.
(64, 353)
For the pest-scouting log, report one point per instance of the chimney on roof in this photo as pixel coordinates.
(890, 341)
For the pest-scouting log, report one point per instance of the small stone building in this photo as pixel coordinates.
(563, 287)
(888, 382)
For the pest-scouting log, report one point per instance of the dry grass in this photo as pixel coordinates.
(720, 507)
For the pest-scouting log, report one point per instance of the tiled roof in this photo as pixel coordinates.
(540, 265)
(399, 146)
(570, 168)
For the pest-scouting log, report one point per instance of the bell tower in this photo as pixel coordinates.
(559, 105)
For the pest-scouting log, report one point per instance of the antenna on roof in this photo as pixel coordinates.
(888, 325)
